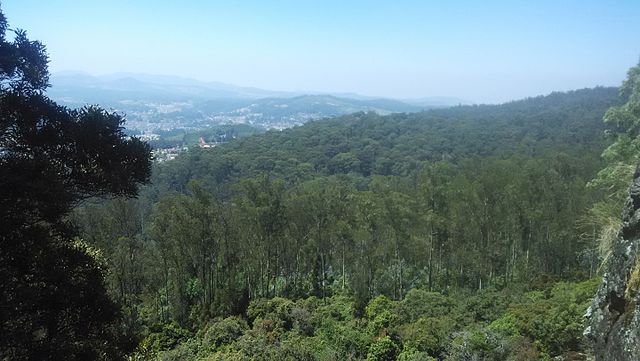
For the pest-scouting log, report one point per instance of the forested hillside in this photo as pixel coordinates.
(440, 234)
(368, 144)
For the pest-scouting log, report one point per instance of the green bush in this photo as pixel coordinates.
(429, 334)
(257, 345)
(337, 307)
(552, 318)
(164, 337)
(297, 349)
(347, 339)
(275, 311)
(477, 344)
(186, 351)
(425, 325)
(383, 349)
(223, 331)
(382, 314)
(420, 303)
(227, 355)
(379, 305)
(410, 354)
(483, 306)
(381, 323)
(302, 321)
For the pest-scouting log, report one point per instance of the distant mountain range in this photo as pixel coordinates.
(153, 102)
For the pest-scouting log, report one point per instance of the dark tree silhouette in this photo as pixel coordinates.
(53, 302)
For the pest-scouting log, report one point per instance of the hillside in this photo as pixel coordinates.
(429, 235)
(368, 144)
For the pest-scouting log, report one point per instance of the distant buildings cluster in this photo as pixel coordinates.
(166, 154)
(203, 144)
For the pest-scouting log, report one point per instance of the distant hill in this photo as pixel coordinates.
(396, 144)
(80, 88)
(163, 102)
(280, 113)
(436, 102)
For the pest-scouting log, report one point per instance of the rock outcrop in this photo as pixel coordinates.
(614, 316)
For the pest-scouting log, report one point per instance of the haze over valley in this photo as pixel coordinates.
(165, 103)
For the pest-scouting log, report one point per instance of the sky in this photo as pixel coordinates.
(480, 51)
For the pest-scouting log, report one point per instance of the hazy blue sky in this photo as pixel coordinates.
(484, 51)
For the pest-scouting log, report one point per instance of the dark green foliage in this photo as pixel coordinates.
(164, 337)
(54, 305)
(420, 303)
(366, 144)
(482, 306)
(53, 297)
(428, 334)
(223, 331)
(276, 310)
(23, 62)
(515, 334)
(553, 317)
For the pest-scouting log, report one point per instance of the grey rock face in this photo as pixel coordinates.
(614, 316)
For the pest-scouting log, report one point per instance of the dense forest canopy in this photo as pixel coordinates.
(488, 201)
(367, 144)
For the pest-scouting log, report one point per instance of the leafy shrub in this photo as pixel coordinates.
(552, 318)
(477, 344)
(337, 307)
(429, 334)
(382, 314)
(383, 349)
(185, 351)
(345, 338)
(164, 337)
(257, 345)
(410, 354)
(227, 355)
(223, 331)
(379, 305)
(482, 306)
(420, 303)
(302, 321)
(277, 310)
(297, 349)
